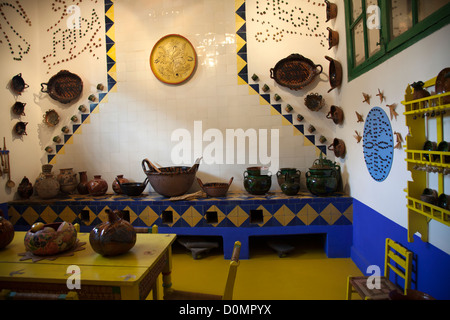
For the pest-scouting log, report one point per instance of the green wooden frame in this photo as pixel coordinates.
(389, 47)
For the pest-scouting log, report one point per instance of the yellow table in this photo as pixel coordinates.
(129, 276)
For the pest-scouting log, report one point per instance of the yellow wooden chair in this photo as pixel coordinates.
(173, 294)
(396, 255)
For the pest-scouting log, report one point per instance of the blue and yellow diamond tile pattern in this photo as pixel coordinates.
(238, 210)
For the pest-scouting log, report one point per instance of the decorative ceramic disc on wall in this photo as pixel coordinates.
(173, 59)
(378, 144)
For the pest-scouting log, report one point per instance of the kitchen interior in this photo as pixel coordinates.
(253, 149)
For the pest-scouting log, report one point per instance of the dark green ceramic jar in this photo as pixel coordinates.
(289, 181)
(323, 177)
(255, 182)
(322, 183)
(291, 172)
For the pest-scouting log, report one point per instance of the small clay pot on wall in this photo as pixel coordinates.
(338, 147)
(331, 10)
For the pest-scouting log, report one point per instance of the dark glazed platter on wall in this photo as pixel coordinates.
(63, 87)
(295, 71)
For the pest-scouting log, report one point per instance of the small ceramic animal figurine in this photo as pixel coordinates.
(360, 117)
(358, 137)
(381, 95)
(392, 110)
(366, 98)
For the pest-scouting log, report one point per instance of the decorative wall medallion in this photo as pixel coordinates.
(378, 144)
(173, 59)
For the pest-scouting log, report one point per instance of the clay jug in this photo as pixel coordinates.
(48, 187)
(46, 168)
(113, 237)
(82, 186)
(67, 180)
(338, 147)
(116, 186)
(97, 186)
(25, 189)
(336, 114)
(6, 231)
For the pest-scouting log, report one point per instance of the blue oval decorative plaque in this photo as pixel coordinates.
(378, 144)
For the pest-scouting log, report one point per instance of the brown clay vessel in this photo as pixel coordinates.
(113, 237)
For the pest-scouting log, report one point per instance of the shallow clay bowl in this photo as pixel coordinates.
(215, 189)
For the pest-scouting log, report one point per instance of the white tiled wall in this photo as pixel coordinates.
(139, 118)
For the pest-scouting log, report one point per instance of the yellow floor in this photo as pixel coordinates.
(306, 274)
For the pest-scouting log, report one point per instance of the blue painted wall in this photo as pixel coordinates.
(430, 265)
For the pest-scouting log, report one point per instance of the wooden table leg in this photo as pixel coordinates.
(166, 273)
(155, 289)
(130, 293)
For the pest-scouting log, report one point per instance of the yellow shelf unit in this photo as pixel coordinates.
(420, 162)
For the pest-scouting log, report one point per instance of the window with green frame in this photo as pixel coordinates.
(378, 29)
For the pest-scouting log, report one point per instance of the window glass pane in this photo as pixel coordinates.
(357, 9)
(427, 7)
(358, 36)
(401, 17)
(373, 31)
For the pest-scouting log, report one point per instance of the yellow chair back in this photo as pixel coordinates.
(397, 255)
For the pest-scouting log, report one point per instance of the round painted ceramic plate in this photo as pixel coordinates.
(378, 144)
(173, 59)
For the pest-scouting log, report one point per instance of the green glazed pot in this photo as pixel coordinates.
(291, 172)
(290, 188)
(256, 183)
(289, 181)
(322, 182)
